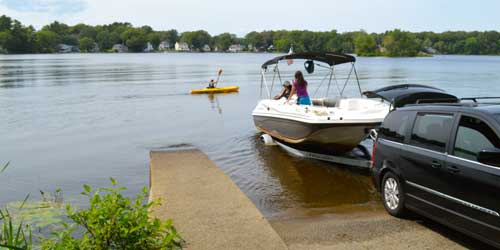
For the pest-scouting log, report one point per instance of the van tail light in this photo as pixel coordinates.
(374, 150)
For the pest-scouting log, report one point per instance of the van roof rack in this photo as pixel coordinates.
(474, 99)
(456, 104)
(436, 100)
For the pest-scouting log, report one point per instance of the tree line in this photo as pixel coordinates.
(18, 38)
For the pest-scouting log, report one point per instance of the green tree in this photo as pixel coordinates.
(87, 44)
(255, 39)
(135, 39)
(17, 39)
(70, 40)
(155, 39)
(83, 30)
(365, 44)
(5, 23)
(224, 40)
(5, 41)
(400, 43)
(171, 36)
(47, 41)
(196, 39)
(105, 41)
(282, 44)
(427, 43)
(60, 29)
(471, 46)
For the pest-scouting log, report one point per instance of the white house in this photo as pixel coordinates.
(120, 48)
(65, 48)
(206, 48)
(181, 46)
(430, 50)
(149, 47)
(165, 45)
(235, 48)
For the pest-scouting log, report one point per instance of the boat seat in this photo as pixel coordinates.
(325, 102)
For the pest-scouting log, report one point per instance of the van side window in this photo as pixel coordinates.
(474, 135)
(431, 131)
(394, 126)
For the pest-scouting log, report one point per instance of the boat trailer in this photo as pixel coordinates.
(359, 157)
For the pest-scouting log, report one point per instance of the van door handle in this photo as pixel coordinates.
(453, 169)
(436, 164)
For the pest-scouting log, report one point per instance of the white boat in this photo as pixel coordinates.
(331, 126)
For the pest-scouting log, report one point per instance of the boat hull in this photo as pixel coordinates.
(215, 90)
(325, 138)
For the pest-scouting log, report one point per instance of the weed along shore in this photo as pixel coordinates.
(210, 211)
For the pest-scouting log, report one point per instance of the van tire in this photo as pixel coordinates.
(393, 195)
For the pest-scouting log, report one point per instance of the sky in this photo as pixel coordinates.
(241, 17)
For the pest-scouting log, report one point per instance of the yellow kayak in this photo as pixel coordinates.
(215, 90)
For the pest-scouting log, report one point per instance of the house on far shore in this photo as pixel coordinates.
(181, 46)
(120, 48)
(65, 48)
(430, 50)
(165, 45)
(381, 49)
(206, 48)
(260, 49)
(149, 47)
(235, 48)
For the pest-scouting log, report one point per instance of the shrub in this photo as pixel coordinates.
(113, 221)
(14, 235)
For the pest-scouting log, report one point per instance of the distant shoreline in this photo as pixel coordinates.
(124, 37)
(226, 53)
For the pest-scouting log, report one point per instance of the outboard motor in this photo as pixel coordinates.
(267, 140)
(309, 66)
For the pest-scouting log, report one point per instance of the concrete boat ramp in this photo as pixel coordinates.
(207, 208)
(211, 212)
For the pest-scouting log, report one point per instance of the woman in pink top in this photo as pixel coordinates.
(299, 87)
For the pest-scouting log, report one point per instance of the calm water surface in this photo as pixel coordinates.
(66, 120)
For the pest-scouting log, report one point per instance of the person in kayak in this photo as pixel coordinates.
(285, 92)
(299, 87)
(212, 84)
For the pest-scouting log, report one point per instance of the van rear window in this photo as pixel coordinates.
(394, 126)
(432, 131)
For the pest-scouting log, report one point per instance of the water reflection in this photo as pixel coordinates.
(312, 184)
(214, 101)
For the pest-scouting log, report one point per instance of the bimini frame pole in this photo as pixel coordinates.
(347, 80)
(261, 82)
(275, 70)
(357, 79)
(329, 81)
(265, 84)
(279, 76)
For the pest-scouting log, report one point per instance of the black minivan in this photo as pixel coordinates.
(442, 161)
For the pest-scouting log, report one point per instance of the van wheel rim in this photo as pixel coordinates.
(391, 193)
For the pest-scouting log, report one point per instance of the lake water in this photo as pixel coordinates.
(66, 120)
